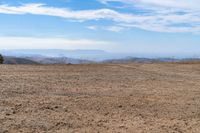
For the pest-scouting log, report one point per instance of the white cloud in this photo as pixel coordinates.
(51, 43)
(162, 16)
(115, 28)
(92, 27)
(40, 9)
(186, 4)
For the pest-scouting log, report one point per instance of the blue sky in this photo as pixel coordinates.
(170, 27)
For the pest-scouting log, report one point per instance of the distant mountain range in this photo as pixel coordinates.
(56, 56)
(95, 55)
(58, 60)
(51, 56)
(152, 60)
(17, 60)
(141, 60)
(64, 60)
(43, 60)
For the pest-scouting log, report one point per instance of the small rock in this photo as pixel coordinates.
(120, 106)
(55, 107)
(122, 126)
(8, 114)
(107, 113)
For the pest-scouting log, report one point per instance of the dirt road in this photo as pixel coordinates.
(137, 98)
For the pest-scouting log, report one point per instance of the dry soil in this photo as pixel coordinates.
(132, 98)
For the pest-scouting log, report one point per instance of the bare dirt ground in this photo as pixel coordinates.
(135, 98)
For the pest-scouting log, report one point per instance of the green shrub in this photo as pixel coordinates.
(1, 59)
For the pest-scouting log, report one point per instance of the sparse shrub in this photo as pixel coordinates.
(1, 59)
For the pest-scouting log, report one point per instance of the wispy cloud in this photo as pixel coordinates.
(115, 28)
(51, 43)
(183, 4)
(92, 27)
(41, 9)
(162, 16)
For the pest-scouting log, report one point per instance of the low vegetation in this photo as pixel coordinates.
(1, 59)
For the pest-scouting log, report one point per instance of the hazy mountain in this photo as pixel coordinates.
(78, 54)
(56, 56)
(58, 60)
(17, 60)
(142, 60)
(43, 60)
